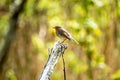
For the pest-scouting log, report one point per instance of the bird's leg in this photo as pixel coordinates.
(63, 41)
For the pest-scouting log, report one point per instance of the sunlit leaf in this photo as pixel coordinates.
(116, 75)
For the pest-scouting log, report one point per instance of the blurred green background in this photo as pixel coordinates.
(95, 24)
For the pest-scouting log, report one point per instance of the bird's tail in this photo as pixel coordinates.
(74, 40)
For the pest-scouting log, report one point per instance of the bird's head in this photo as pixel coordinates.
(56, 27)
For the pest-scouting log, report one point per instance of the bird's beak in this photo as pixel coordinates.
(53, 27)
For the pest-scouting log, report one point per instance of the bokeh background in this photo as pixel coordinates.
(95, 24)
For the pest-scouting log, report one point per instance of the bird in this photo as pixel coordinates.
(62, 33)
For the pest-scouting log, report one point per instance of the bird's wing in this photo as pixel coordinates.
(66, 34)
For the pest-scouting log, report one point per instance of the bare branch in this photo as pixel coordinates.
(64, 70)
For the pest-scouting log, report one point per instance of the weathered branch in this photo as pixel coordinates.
(13, 25)
(56, 52)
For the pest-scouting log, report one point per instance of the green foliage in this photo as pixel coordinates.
(3, 25)
(75, 64)
(11, 75)
(3, 29)
(37, 43)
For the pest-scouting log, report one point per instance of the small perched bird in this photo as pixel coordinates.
(62, 33)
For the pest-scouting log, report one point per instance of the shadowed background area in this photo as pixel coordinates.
(26, 34)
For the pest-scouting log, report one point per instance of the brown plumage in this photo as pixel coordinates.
(62, 33)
